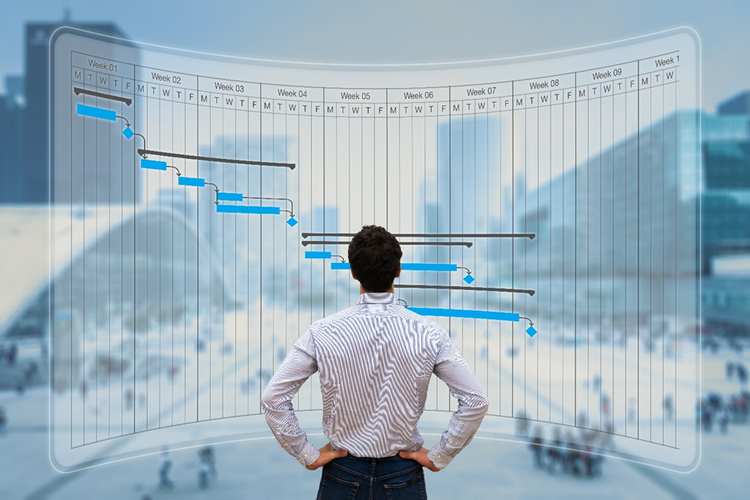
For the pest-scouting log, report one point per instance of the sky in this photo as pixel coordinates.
(400, 31)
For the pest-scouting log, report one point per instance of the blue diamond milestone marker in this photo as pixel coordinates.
(469, 279)
(531, 331)
(292, 222)
(128, 133)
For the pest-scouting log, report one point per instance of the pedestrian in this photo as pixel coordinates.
(30, 373)
(204, 471)
(375, 362)
(707, 417)
(741, 373)
(207, 464)
(3, 422)
(522, 422)
(164, 467)
(668, 404)
(722, 417)
(536, 445)
(12, 353)
(729, 369)
(556, 453)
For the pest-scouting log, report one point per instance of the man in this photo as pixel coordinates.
(375, 362)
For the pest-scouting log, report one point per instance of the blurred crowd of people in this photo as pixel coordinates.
(567, 454)
(714, 408)
(16, 373)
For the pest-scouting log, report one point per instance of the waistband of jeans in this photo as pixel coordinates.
(392, 458)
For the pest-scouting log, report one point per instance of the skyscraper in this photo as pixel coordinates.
(34, 176)
(12, 109)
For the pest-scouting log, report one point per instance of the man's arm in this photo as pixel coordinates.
(453, 369)
(277, 401)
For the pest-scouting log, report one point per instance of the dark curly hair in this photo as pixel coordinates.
(375, 257)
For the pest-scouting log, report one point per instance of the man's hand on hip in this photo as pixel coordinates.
(421, 457)
(327, 453)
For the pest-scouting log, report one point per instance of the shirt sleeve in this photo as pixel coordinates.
(277, 400)
(453, 369)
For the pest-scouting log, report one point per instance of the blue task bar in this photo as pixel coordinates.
(428, 267)
(229, 196)
(244, 209)
(317, 255)
(153, 164)
(104, 114)
(191, 181)
(465, 313)
(407, 266)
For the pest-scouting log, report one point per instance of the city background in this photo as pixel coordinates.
(725, 302)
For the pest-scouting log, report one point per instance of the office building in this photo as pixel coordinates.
(738, 104)
(637, 234)
(12, 111)
(34, 177)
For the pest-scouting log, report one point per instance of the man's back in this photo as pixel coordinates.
(375, 362)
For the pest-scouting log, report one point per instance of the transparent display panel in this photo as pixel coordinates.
(547, 207)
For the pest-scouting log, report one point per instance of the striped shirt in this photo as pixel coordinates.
(375, 362)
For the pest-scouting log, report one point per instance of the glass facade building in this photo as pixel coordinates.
(643, 232)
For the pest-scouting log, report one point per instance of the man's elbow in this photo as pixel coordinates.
(274, 400)
(483, 403)
(267, 400)
(479, 404)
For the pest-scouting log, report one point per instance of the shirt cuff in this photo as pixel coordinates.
(439, 457)
(308, 455)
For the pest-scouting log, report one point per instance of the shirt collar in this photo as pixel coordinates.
(384, 298)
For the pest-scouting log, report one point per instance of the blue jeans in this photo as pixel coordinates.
(390, 478)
